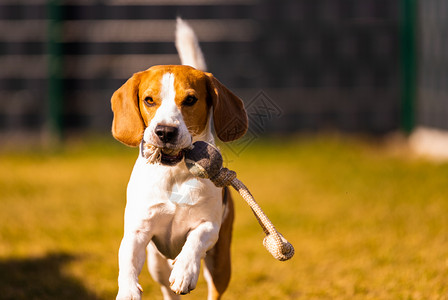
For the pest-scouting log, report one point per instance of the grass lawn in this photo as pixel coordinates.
(366, 222)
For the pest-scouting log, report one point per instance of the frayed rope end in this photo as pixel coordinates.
(152, 153)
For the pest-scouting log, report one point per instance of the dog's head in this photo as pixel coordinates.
(169, 105)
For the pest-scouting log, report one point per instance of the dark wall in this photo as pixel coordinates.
(299, 65)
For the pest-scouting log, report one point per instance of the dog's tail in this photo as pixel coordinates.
(188, 46)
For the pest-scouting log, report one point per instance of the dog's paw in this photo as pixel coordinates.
(184, 275)
(130, 292)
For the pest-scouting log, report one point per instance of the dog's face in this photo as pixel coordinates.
(174, 106)
(169, 105)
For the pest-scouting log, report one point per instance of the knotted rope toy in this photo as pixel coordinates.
(204, 160)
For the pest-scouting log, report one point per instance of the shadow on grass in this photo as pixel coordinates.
(40, 278)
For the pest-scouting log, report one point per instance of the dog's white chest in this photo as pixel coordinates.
(172, 186)
(185, 193)
(170, 202)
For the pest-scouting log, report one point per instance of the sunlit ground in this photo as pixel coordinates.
(367, 222)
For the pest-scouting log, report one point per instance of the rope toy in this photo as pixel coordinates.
(152, 153)
(205, 161)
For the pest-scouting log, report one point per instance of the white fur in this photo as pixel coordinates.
(181, 230)
(168, 114)
(188, 46)
(169, 213)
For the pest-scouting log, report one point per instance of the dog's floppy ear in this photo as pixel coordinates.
(127, 126)
(229, 115)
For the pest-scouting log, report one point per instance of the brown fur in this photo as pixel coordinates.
(132, 115)
(217, 261)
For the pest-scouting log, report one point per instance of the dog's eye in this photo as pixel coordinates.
(190, 100)
(149, 101)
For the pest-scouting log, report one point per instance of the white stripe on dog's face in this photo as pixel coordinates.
(168, 95)
(168, 114)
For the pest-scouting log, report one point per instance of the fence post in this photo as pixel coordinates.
(55, 82)
(408, 54)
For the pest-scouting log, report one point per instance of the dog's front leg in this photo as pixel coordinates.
(185, 272)
(131, 258)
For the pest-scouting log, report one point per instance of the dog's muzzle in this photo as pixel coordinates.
(166, 134)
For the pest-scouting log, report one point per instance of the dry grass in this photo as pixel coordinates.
(366, 224)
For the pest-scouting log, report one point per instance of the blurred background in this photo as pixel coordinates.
(367, 217)
(365, 66)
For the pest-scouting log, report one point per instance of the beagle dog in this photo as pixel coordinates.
(177, 218)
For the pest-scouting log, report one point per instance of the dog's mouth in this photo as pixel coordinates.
(171, 157)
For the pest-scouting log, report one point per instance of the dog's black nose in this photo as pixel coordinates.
(166, 133)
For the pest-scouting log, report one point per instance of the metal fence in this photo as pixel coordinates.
(324, 64)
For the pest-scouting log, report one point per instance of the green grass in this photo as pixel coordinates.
(366, 222)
